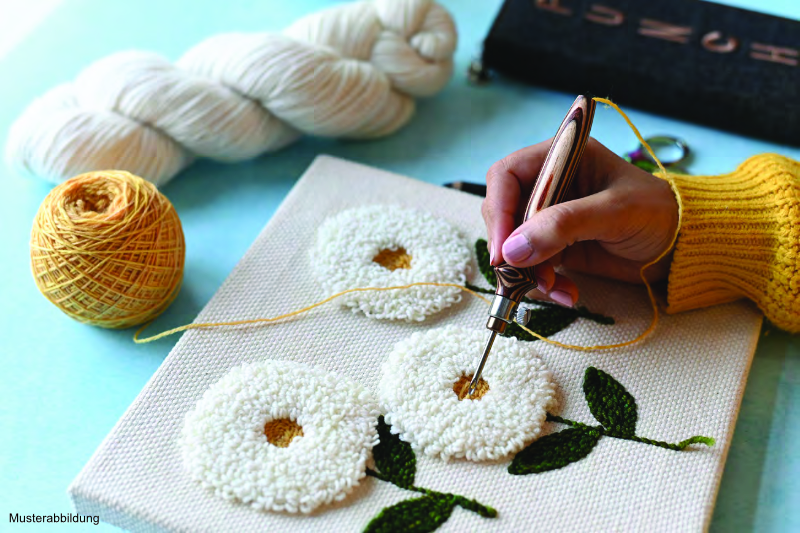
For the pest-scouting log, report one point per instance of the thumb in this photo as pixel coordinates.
(551, 230)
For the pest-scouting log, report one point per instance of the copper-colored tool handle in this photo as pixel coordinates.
(551, 186)
(562, 160)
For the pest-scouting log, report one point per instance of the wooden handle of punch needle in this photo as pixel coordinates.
(551, 186)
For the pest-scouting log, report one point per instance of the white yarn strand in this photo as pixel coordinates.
(233, 128)
(348, 71)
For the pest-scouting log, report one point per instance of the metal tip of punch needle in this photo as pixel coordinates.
(473, 385)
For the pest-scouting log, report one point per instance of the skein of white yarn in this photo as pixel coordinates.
(349, 71)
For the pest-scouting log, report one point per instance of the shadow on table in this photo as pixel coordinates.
(741, 487)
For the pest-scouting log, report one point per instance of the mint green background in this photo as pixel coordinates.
(63, 385)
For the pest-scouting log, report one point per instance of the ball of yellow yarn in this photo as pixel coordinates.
(107, 248)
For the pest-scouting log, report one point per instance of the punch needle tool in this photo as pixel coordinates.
(550, 188)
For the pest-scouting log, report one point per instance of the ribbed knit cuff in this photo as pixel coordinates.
(740, 237)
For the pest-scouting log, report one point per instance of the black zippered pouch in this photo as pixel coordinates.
(720, 66)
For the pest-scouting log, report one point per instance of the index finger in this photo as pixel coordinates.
(507, 184)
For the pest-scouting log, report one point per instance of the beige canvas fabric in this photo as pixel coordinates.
(688, 379)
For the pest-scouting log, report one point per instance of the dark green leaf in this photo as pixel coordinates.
(610, 403)
(420, 515)
(486, 268)
(545, 321)
(594, 317)
(554, 451)
(549, 319)
(580, 311)
(394, 458)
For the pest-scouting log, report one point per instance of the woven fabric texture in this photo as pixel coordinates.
(687, 378)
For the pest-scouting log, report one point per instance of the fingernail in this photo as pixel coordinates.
(517, 249)
(562, 297)
(541, 284)
(491, 253)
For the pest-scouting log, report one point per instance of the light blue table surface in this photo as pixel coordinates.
(63, 385)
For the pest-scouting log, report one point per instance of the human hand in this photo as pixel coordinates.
(615, 219)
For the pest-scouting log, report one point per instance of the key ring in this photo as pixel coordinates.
(642, 159)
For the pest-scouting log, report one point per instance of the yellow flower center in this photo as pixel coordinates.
(461, 388)
(281, 431)
(393, 259)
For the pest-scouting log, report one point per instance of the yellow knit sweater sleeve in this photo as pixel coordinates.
(740, 237)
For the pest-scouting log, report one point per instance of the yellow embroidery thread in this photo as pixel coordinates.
(137, 340)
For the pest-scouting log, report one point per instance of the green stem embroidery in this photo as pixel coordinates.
(461, 501)
(396, 463)
(472, 505)
(613, 407)
(554, 418)
(708, 441)
(697, 439)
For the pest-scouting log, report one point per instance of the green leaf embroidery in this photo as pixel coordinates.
(486, 268)
(583, 312)
(419, 515)
(610, 403)
(394, 458)
(555, 451)
(397, 464)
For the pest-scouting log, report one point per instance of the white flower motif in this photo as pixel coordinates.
(385, 246)
(331, 423)
(418, 394)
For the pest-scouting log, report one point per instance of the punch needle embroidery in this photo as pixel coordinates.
(546, 319)
(422, 393)
(397, 463)
(280, 436)
(386, 246)
(612, 406)
(283, 436)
